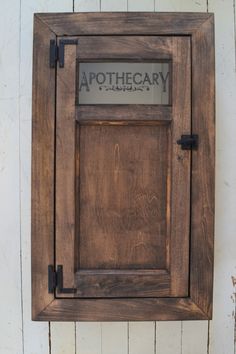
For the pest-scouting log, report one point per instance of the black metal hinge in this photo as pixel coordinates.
(55, 281)
(57, 52)
(188, 142)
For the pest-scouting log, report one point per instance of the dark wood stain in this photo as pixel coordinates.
(124, 23)
(123, 283)
(43, 116)
(124, 114)
(123, 196)
(108, 160)
(203, 167)
(65, 168)
(151, 309)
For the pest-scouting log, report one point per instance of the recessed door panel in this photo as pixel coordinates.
(123, 197)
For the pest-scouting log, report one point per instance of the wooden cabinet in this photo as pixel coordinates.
(123, 166)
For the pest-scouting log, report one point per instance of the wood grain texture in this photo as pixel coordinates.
(96, 337)
(222, 334)
(97, 142)
(126, 23)
(115, 114)
(42, 168)
(203, 164)
(65, 167)
(123, 174)
(170, 334)
(123, 191)
(178, 167)
(151, 309)
(180, 170)
(124, 283)
(130, 48)
(140, 337)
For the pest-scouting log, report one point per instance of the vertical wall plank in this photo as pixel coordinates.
(115, 338)
(141, 5)
(222, 328)
(113, 5)
(89, 338)
(194, 339)
(10, 278)
(168, 337)
(142, 337)
(181, 5)
(63, 338)
(87, 5)
(36, 334)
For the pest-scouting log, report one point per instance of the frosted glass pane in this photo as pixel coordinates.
(124, 83)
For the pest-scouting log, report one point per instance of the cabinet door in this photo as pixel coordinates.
(122, 181)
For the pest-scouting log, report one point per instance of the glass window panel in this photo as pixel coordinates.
(124, 83)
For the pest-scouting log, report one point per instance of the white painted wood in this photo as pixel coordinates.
(142, 338)
(113, 5)
(114, 338)
(87, 5)
(222, 330)
(63, 338)
(10, 276)
(168, 338)
(89, 338)
(36, 340)
(140, 5)
(195, 337)
(181, 5)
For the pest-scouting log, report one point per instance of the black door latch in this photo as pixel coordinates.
(188, 142)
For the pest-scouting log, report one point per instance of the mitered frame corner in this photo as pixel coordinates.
(200, 27)
(42, 181)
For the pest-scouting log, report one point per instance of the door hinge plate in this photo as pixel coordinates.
(55, 281)
(57, 52)
(188, 142)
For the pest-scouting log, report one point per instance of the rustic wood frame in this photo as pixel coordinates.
(200, 27)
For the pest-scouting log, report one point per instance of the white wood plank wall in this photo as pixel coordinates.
(18, 334)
